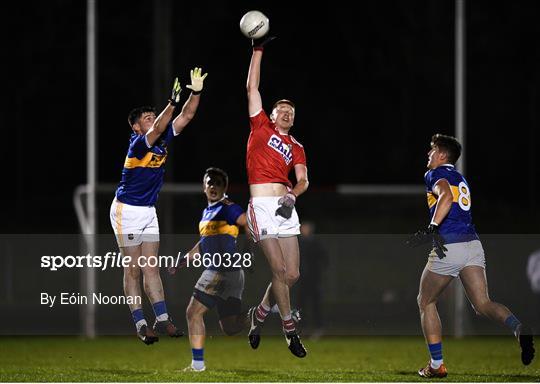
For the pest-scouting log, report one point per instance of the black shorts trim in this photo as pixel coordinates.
(225, 308)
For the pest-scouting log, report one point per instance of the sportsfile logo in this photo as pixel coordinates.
(284, 149)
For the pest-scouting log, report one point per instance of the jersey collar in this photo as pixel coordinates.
(217, 202)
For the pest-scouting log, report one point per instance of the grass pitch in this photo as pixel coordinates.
(330, 359)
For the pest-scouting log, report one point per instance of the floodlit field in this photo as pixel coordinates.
(330, 359)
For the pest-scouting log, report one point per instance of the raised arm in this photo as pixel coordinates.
(254, 75)
(160, 124)
(192, 103)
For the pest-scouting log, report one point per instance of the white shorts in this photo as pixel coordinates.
(458, 256)
(133, 224)
(263, 222)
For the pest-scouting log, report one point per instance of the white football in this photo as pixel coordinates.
(254, 25)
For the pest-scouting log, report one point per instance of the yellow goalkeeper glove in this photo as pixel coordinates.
(175, 95)
(197, 80)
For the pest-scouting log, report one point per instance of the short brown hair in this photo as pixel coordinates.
(448, 144)
(136, 114)
(283, 101)
(217, 172)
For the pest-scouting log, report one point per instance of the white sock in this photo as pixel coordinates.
(162, 317)
(275, 309)
(139, 324)
(197, 364)
(435, 364)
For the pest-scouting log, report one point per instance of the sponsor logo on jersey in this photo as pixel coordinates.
(211, 213)
(156, 160)
(285, 150)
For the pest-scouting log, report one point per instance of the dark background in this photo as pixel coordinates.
(371, 87)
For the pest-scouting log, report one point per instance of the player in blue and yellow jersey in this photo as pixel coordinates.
(457, 251)
(133, 215)
(222, 283)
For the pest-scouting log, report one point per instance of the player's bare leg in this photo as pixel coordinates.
(284, 272)
(276, 290)
(197, 333)
(132, 275)
(431, 287)
(268, 298)
(474, 281)
(290, 250)
(153, 287)
(132, 288)
(268, 303)
(279, 288)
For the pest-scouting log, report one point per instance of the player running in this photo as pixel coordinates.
(457, 251)
(220, 285)
(133, 215)
(271, 155)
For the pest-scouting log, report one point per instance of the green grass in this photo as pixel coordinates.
(331, 359)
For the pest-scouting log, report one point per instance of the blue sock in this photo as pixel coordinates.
(198, 358)
(435, 350)
(512, 322)
(138, 318)
(160, 309)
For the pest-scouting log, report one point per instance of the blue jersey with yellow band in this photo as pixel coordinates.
(219, 231)
(457, 226)
(142, 176)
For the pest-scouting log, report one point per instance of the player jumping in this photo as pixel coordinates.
(271, 155)
(457, 251)
(220, 285)
(133, 215)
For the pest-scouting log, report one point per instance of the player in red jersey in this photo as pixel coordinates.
(271, 155)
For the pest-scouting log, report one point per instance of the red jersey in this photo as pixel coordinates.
(271, 155)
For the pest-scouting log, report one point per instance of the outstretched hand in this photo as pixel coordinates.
(260, 43)
(175, 94)
(197, 80)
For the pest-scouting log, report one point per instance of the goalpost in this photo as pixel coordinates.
(88, 227)
(459, 294)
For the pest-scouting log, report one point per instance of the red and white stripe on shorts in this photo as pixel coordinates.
(252, 222)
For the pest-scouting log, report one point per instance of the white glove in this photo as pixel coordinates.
(197, 80)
